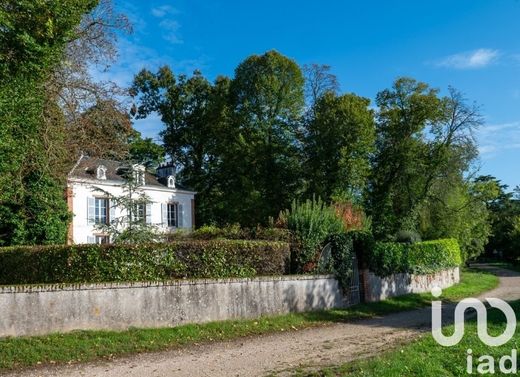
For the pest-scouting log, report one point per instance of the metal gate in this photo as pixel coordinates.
(353, 291)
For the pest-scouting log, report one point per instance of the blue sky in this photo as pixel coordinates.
(472, 45)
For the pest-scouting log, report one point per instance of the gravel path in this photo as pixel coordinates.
(258, 356)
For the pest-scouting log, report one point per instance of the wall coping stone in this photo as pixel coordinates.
(54, 287)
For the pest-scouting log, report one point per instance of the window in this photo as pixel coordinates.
(139, 212)
(101, 211)
(140, 178)
(139, 175)
(101, 172)
(102, 239)
(171, 181)
(173, 214)
(98, 239)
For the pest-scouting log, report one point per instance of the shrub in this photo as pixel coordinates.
(407, 236)
(271, 234)
(210, 232)
(427, 257)
(148, 262)
(310, 222)
(232, 232)
(352, 216)
(340, 262)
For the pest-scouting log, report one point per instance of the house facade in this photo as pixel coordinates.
(93, 184)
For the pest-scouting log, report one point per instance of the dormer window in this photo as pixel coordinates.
(139, 175)
(171, 181)
(101, 172)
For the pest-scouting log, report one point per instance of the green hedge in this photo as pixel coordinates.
(388, 258)
(431, 256)
(426, 257)
(235, 232)
(151, 262)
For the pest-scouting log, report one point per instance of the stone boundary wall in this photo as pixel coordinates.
(377, 288)
(44, 309)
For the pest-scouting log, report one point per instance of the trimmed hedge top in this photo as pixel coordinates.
(151, 262)
(426, 257)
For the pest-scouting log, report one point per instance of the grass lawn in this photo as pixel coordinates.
(81, 346)
(426, 358)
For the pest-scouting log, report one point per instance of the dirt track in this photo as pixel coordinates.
(259, 356)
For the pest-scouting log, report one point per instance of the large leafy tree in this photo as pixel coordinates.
(404, 112)
(458, 209)
(263, 159)
(233, 141)
(145, 151)
(339, 139)
(194, 113)
(422, 139)
(505, 220)
(33, 36)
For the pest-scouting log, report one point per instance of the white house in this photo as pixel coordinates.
(92, 182)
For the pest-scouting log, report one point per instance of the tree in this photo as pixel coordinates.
(421, 177)
(145, 151)
(91, 113)
(194, 112)
(233, 141)
(33, 37)
(318, 81)
(101, 131)
(504, 212)
(263, 156)
(404, 112)
(131, 226)
(458, 210)
(422, 139)
(339, 140)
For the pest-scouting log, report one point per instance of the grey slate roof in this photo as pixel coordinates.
(86, 168)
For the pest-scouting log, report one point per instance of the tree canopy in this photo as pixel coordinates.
(250, 144)
(339, 140)
(33, 37)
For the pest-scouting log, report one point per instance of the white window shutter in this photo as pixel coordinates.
(180, 216)
(112, 212)
(164, 214)
(91, 239)
(148, 213)
(91, 210)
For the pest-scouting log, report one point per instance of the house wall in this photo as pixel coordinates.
(82, 190)
(70, 207)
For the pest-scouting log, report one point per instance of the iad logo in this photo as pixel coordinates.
(460, 309)
(486, 363)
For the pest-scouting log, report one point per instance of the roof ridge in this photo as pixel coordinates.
(76, 164)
